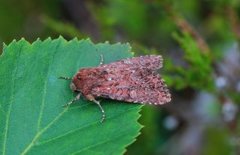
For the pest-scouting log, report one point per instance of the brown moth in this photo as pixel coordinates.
(130, 80)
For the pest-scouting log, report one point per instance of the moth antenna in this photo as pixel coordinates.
(101, 60)
(73, 100)
(65, 78)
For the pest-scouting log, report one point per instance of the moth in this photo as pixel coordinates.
(131, 80)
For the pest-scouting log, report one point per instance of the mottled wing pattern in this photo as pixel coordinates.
(133, 80)
(153, 62)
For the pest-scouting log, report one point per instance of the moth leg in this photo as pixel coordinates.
(65, 78)
(91, 98)
(101, 60)
(73, 100)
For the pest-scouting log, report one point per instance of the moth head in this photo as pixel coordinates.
(75, 83)
(73, 86)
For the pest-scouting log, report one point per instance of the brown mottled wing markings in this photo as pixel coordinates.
(152, 62)
(132, 80)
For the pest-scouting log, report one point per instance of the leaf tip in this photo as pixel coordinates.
(38, 40)
(107, 42)
(74, 39)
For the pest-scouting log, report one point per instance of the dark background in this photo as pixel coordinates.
(199, 40)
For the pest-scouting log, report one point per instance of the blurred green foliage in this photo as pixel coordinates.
(62, 28)
(198, 72)
(22, 18)
(193, 36)
(217, 142)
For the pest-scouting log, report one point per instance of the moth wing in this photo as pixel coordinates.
(133, 85)
(151, 89)
(152, 62)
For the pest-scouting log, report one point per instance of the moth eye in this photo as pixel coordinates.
(78, 77)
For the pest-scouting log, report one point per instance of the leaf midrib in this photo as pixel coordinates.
(43, 104)
(45, 89)
(11, 102)
(41, 132)
(85, 126)
(54, 120)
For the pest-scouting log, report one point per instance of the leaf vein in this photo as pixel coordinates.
(78, 129)
(8, 113)
(45, 91)
(41, 132)
(100, 143)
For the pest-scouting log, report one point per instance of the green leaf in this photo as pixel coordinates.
(32, 119)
